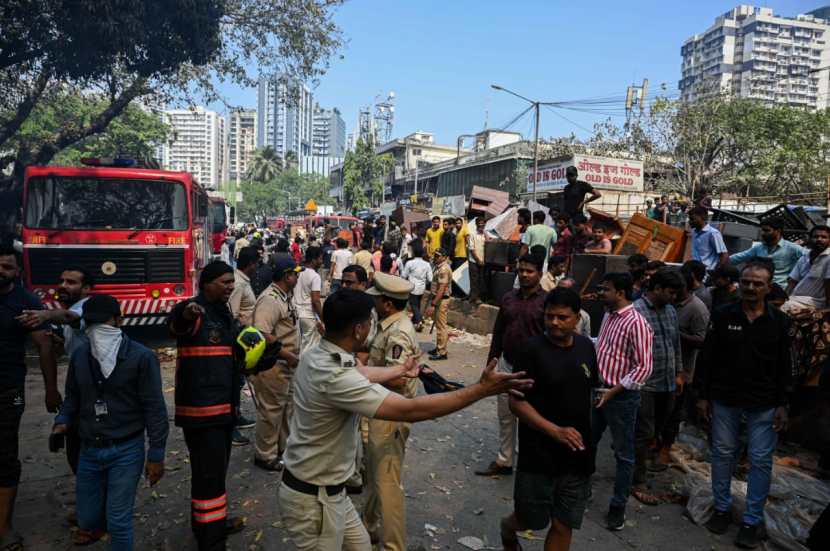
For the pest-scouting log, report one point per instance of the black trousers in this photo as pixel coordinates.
(653, 423)
(12, 403)
(210, 452)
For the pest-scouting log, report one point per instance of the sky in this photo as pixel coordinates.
(441, 56)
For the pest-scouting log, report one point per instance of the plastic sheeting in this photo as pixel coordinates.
(795, 501)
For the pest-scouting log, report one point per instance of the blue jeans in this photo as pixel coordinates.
(762, 439)
(105, 489)
(620, 416)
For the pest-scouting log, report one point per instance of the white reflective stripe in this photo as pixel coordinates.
(128, 307)
(97, 246)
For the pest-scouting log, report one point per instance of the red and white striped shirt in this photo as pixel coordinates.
(624, 348)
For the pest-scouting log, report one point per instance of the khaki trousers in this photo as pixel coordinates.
(442, 330)
(508, 425)
(274, 392)
(385, 513)
(322, 522)
(309, 336)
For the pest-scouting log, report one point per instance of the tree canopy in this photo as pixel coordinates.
(363, 173)
(271, 197)
(159, 51)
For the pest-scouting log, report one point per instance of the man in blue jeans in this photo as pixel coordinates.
(624, 359)
(113, 393)
(747, 372)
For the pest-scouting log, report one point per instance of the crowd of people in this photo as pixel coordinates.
(336, 390)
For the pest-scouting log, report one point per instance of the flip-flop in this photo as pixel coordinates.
(645, 498)
(83, 537)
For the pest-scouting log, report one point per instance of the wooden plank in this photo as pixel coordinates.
(654, 239)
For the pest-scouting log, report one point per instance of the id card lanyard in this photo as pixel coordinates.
(99, 385)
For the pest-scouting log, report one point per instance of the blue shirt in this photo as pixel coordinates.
(707, 246)
(784, 255)
(667, 359)
(132, 394)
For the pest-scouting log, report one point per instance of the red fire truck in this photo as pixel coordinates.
(142, 233)
(218, 218)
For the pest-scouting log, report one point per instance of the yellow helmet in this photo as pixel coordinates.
(252, 344)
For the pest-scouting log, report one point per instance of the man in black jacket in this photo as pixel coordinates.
(113, 394)
(206, 399)
(746, 372)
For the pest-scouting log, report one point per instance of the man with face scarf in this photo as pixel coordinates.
(113, 395)
(205, 331)
(784, 254)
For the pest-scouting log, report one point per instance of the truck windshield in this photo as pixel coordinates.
(57, 202)
(217, 213)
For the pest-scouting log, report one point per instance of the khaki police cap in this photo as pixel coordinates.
(390, 286)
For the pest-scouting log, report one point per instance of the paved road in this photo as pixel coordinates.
(441, 488)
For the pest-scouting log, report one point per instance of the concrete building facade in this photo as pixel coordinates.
(284, 116)
(242, 127)
(753, 53)
(328, 133)
(196, 144)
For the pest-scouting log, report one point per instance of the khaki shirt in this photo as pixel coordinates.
(274, 314)
(363, 258)
(242, 299)
(442, 275)
(330, 395)
(394, 343)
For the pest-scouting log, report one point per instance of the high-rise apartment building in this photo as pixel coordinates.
(284, 116)
(328, 133)
(196, 144)
(242, 133)
(754, 53)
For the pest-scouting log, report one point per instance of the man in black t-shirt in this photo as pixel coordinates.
(575, 192)
(555, 457)
(14, 299)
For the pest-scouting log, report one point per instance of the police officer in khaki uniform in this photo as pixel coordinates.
(275, 317)
(395, 342)
(440, 304)
(331, 391)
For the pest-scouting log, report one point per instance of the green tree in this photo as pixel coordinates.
(272, 197)
(363, 172)
(265, 165)
(159, 51)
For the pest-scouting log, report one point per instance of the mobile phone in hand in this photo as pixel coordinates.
(56, 442)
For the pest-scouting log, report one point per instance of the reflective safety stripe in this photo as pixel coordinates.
(209, 503)
(203, 351)
(213, 516)
(203, 411)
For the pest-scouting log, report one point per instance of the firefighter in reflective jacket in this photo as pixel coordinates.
(205, 373)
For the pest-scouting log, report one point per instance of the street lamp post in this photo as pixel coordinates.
(536, 105)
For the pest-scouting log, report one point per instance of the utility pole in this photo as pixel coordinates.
(536, 150)
(535, 105)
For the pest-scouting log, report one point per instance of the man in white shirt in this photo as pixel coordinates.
(340, 258)
(307, 298)
(418, 272)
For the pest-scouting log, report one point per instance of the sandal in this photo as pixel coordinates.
(83, 537)
(645, 498)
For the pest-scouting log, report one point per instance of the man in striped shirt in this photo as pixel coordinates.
(625, 363)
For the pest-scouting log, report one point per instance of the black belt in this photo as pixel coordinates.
(99, 442)
(305, 488)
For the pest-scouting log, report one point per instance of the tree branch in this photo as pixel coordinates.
(24, 108)
(98, 123)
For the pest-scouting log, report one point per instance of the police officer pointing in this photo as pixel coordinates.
(331, 390)
(395, 342)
